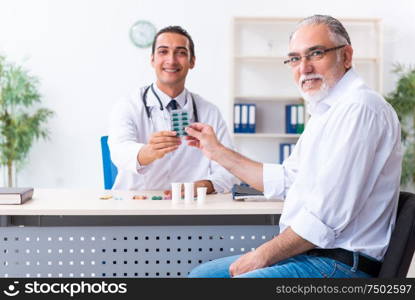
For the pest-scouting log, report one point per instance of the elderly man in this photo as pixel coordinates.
(340, 184)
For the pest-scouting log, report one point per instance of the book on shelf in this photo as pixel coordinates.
(15, 195)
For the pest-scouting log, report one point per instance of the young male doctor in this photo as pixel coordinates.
(148, 155)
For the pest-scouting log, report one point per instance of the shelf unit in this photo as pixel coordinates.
(260, 77)
(267, 135)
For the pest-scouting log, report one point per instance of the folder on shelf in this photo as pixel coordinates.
(244, 118)
(251, 118)
(292, 146)
(300, 118)
(285, 151)
(290, 119)
(237, 118)
(294, 118)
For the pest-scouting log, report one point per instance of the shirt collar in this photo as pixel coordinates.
(164, 98)
(335, 93)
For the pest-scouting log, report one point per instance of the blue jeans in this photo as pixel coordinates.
(300, 266)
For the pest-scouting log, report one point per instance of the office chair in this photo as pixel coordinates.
(110, 170)
(402, 244)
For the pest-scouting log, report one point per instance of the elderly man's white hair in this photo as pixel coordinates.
(338, 33)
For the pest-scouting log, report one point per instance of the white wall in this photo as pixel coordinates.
(81, 51)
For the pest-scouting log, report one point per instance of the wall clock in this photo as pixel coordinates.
(142, 34)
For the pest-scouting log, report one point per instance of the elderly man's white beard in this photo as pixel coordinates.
(316, 96)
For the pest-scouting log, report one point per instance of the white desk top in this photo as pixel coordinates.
(88, 202)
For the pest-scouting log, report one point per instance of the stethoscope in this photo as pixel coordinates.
(144, 98)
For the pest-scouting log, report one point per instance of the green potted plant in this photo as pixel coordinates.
(20, 123)
(402, 98)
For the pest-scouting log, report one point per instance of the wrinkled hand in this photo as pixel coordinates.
(250, 261)
(159, 144)
(203, 136)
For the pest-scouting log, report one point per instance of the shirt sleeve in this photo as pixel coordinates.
(122, 139)
(332, 197)
(278, 178)
(221, 179)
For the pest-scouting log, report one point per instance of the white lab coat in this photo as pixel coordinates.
(130, 129)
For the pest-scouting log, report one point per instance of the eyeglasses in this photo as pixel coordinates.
(314, 55)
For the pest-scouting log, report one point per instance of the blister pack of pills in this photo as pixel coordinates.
(179, 121)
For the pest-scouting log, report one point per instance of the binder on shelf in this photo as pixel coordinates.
(292, 148)
(283, 147)
(300, 118)
(251, 118)
(294, 118)
(244, 118)
(291, 119)
(237, 118)
(285, 151)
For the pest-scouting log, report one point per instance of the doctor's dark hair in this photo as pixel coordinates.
(178, 30)
(338, 33)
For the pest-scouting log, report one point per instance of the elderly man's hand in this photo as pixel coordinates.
(202, 136)
(249, 262)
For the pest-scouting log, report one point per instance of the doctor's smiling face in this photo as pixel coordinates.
(317, 60)
(172, 59)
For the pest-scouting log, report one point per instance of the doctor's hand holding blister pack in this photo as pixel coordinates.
(163, 142)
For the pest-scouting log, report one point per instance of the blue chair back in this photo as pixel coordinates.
(110, 170)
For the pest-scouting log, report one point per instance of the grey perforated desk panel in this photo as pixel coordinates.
(72, 233)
